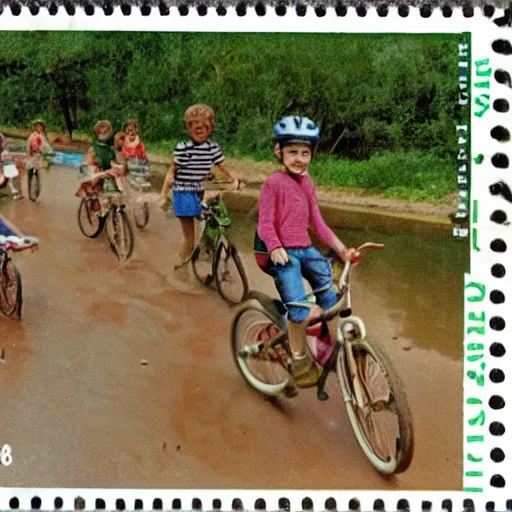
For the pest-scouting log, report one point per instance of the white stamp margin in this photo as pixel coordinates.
(483, 32)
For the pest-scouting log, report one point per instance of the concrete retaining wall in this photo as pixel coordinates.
(356, 218)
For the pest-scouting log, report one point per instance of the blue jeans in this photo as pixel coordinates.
(310, 264)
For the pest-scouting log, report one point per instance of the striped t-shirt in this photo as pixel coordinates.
(194, 163)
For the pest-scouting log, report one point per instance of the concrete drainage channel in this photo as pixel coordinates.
(357, 218)
(337, 216)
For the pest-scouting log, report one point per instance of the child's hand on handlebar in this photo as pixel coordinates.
(350, 254)
(279, 256)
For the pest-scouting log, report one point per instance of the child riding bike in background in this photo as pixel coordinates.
(133, 146)
(8, 169)
(37, 144)
(106, 173)
(193, 162)
(287, 207)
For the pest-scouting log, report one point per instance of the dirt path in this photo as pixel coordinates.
(122, 376)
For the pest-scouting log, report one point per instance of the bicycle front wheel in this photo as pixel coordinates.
(90, 223)
(377, 406)
(230, 277)
(253, 327)
(10, 290)
(34, 184)
(120, 233)
(202, 260)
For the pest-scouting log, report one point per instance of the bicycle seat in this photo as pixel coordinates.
(223, 221)
(315, 329)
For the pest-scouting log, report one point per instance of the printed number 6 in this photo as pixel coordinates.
(6, 455)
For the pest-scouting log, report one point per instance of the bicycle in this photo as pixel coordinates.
(34, 182)
(368, 382)
(216, 258)
(119, 230)
(11, 296)
(137, 176)
(93, 216)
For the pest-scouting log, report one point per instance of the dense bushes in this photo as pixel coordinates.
(373, 95)
(372, 92)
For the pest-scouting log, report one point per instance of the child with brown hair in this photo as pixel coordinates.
(193, 162)
(103, 160)
(133, 146)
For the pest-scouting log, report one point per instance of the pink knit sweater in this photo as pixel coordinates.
(287, 207)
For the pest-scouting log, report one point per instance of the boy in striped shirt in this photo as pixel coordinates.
(193, 162)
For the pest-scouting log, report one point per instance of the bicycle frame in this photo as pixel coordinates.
(343, 309)
(115, 199)
(210, 222)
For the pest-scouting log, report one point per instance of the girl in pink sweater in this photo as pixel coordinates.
(287, 207)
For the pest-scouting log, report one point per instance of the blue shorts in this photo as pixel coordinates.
(187, 204)
(310, 264)
(5, 230)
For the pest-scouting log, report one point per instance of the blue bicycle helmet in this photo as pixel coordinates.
(295, 129)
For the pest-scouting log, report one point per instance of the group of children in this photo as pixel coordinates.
(107, 158)
(287, 208)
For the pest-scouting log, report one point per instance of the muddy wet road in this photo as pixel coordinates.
(80, 410)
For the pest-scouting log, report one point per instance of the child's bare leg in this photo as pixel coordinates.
(187, 246)
(197, 232)
(297, 331)
(14, 191)
(305, 370)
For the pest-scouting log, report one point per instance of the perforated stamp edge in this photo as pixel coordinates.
(487, 402)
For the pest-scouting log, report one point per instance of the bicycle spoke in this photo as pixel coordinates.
(377, 418)
(263, 364)
(229, 274)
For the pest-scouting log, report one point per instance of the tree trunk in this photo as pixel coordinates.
(64, 105)
(343, 133)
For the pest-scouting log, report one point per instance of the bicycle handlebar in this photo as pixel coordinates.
(225, 189)
(348, 265)
(17, 243)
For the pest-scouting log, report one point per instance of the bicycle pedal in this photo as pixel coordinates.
(322, 395)
(252, 350)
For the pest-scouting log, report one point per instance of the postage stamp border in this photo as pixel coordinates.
(485, 394)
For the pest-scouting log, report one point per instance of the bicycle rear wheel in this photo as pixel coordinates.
(230, 277)
(120, 233)
(202, 260)
(141, 214)
(381, 419)
(91, 224)
(34, 184)
(10, 290)
(252, 328)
